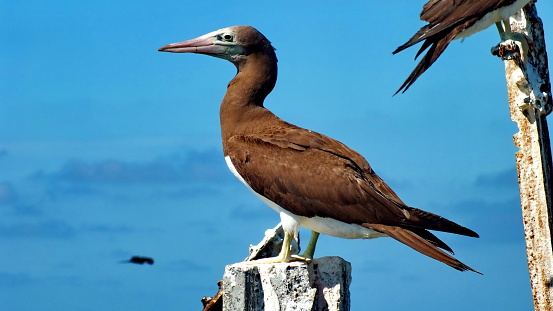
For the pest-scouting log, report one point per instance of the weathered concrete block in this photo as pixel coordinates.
(321, 285)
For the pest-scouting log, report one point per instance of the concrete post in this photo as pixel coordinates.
(321, 285)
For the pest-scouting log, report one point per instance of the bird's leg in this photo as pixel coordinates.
(509, 34)
(507, 26)
(501, 31)
(307, 255)
(283, 256)
(505, 32)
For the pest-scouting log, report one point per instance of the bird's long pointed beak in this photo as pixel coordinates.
(205, 44)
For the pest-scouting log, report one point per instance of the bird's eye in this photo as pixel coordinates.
(225, 37)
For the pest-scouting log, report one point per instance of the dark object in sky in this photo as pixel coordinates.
(310, 179)
(453, 19)
(139, 260)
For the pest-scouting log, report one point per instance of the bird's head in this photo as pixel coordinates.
(231, 43)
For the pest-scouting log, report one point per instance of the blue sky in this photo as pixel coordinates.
(109, 148)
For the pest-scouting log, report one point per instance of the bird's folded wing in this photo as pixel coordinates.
(310, 174)
(301, 139)
(444, 14)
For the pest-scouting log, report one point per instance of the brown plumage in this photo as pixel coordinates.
(309, 175)
(453, 19)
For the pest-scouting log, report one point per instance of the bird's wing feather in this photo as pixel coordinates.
(308, 187)
(442, 14)
(446, 20)
(437, 47)
(310, 174)
(445, 15)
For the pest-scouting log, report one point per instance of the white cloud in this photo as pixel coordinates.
(192, 166)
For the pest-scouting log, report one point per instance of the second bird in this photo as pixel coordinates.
(455, 19)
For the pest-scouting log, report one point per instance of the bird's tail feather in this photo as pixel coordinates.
(432, 221)
(427, 235)
(420, 244)
(435, 46)
(418, 37)
(427, 61)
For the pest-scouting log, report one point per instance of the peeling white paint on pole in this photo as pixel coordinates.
(529, 92)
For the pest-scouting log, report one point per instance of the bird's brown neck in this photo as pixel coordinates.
(242, 107)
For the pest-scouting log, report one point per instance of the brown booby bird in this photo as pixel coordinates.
(454, 19)
(310, 179)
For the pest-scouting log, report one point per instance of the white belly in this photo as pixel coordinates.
(324, 225)
(492, 18)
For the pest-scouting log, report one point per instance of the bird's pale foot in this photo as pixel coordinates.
(276, 259)
(302, 258)
(283, 256)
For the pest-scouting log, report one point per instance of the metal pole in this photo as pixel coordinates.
(529, 92)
